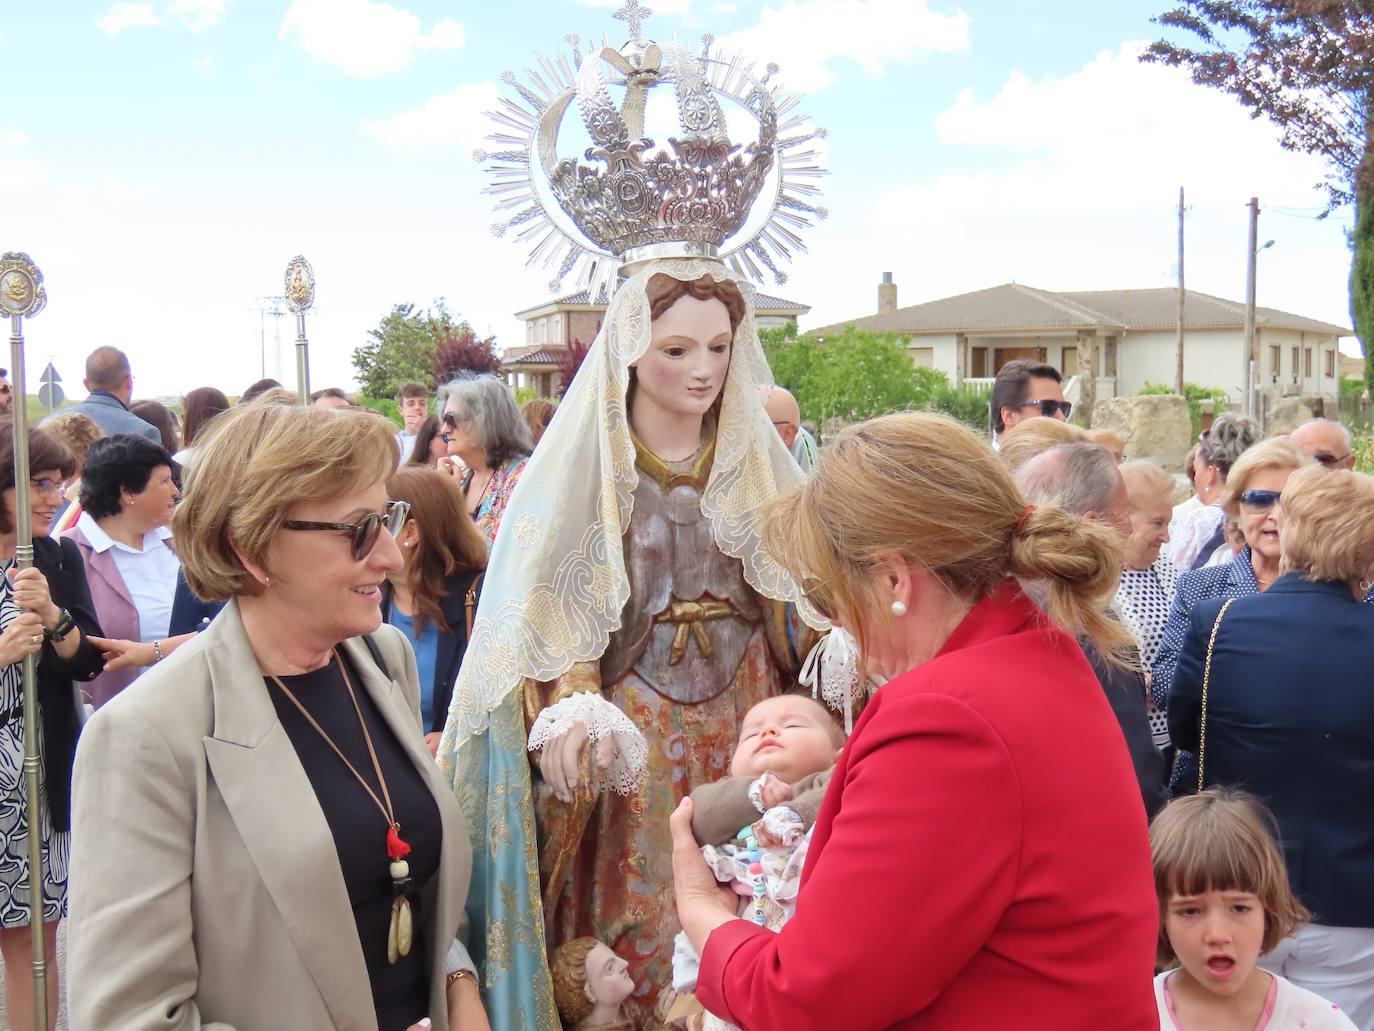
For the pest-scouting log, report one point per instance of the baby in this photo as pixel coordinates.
(761, 815)
(787, 748)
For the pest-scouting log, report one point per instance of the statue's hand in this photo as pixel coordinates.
(561, 761)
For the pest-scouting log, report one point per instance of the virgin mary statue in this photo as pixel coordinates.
(629, 616)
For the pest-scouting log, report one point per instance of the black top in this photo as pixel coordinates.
(1290, 718)
(61, 564)
(400, 992)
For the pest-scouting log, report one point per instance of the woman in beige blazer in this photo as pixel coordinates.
(257, 822)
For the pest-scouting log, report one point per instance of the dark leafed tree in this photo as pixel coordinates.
(1307, 66)
(460, 350)
(569, 361)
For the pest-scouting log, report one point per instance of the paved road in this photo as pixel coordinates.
(61, 965)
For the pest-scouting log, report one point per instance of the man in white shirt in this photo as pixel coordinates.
(413, 399)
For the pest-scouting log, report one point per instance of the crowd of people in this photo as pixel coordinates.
(1106, 762)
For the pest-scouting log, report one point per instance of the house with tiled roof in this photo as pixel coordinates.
(551, 326)
(1127, 336)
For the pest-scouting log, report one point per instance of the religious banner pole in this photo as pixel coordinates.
(300, 295)
(22, 296)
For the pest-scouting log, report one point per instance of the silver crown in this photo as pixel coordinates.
(629, 202)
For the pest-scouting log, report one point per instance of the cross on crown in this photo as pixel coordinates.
(632, 14)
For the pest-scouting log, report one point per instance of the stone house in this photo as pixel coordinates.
(1128, 337)
(551, 326)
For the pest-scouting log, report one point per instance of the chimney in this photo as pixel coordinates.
(887, 295)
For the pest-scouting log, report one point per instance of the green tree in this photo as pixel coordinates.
(1362, 282)
(401, 349)
(853, 376)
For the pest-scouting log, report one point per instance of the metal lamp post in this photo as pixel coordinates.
(300, 295)
(22, 296)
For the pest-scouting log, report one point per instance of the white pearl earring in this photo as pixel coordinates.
(898, 609)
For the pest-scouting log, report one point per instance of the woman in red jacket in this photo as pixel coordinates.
(981, 859)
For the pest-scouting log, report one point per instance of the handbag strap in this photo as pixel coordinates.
(470, 602)
(1206, 680)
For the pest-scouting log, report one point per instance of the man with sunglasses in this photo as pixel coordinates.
(6, 396)
(1023, 390)
(1327, 442)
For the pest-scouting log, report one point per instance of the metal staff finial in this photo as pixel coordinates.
(300, 295)
(22, 296)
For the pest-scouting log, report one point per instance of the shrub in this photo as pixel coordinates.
(1194, 395)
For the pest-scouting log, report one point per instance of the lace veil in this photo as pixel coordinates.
(556, 583)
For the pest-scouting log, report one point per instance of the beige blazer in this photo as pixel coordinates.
(205, 886)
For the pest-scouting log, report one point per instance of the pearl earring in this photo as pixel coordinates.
(898, 609)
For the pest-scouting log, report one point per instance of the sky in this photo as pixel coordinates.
(163, 160)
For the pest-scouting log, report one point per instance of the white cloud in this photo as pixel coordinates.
(15, 175)
(14, 138)
(808, 37)
(198, 15)
(127, 16)
(205, 64)
(456, 117)
(363, 38)
(1109, 137)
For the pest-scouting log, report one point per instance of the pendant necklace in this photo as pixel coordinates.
(401, 934)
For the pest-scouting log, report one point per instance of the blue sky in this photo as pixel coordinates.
(167, 158)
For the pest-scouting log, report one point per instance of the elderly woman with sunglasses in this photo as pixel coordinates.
(265, 841)
(484, 430)
(1289, 715)
(1252, 493)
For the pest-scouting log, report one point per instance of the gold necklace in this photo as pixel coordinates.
(401, 933)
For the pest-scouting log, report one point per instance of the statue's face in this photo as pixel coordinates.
(684, 369)
(608, 977)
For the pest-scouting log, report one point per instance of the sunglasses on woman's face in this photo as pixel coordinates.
(365, 531)
(1256, 501)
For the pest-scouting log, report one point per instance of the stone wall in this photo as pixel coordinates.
(1154, 427)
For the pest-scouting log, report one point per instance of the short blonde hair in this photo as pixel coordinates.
(1327, 531)
(924, 488)
(1145, 480)
(1278, 453)
(1222, 839)
(256, 462)
(1034, 436)
(75, 430)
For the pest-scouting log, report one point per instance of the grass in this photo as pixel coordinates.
(1364, 454)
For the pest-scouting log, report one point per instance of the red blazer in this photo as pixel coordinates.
(981, 860)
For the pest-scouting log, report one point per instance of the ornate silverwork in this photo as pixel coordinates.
(630, 194)
(21, 286)
(300, 285)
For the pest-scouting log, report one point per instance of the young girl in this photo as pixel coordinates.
(1224, 900)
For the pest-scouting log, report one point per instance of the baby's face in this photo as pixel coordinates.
(789, 736)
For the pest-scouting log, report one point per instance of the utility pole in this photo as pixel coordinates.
(1178, 374)
(269, 307)
(1251, 257)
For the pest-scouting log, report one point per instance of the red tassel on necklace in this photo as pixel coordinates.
(396, 846)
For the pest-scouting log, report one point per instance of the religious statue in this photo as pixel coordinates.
(589, 984)
(630, 615)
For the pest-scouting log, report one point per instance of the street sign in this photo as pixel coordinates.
(50, 375)
(50, 395)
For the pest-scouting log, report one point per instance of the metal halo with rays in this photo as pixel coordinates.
(524, 157)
